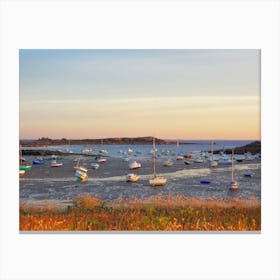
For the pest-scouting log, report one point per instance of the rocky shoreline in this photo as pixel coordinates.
(253, 148)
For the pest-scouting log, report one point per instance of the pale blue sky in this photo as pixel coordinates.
(103, 93)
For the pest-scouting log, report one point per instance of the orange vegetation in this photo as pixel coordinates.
(159, 213)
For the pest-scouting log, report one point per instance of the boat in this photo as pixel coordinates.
(132, 177)
(80, 167)
(101, 160)
(56, 164)
(134, 165)
(168, 163)
(198, 160)
(38, 161)
(102, 149)
(179, 158)
(24, 166)
(21, 172)
(233, 185)
(82, 176)
(248, 173)
(205, 182)
(213, 163)
(187, 156)
(187, 162)
(129, 150)
(95, 165)
(156, 180)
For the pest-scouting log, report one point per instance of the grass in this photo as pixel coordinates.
(158, 213)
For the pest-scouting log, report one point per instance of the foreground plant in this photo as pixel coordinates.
(159, 213)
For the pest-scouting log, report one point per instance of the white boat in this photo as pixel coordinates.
(179, 158)
(157, 180)
(199, 160)
(233, 185)
(187, 162)
(56, 164)
(131, 178)
(134, 165)
(80, 167)
(213, 163)
(129, 150)
(101, 160)
(95, 165)
(168, 163)
(102, 149)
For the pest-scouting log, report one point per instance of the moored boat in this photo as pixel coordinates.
(80, 175)
(56, 164)
(132, 177)
(134, 165)
(233, 185)
(157, 180)
(168, 163)
(95, 165)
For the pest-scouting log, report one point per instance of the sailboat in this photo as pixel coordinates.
(157, 180)
(102, 149)
(25, 167)
(233, 185)
(179, 157)
(80, 167)
(213, 163)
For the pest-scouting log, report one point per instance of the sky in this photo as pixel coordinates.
(170, 94)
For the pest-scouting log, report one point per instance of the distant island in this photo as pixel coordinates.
(45, 141)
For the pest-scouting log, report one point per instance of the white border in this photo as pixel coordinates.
(157, 24)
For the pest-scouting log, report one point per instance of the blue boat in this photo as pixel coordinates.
(205, 182)
(37, 161)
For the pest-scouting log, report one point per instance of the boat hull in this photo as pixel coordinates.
(25, 167)
(158, 181)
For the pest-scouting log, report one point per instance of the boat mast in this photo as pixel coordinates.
(232, 164)
(212, 149)
(20, 155)
(154, 156)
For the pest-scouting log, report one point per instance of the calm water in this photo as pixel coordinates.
(143, 150)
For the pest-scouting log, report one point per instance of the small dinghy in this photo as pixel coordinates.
(187, 162)
(131, 178)
(134, 165)
(56, 164)
(205, 182)
(102, 160)
(248, 173)
(168, 163)
(38, 161)
(95, 165)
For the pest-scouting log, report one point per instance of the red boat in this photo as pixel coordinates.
(187, 156)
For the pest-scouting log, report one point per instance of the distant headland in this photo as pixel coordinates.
(45, 141)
